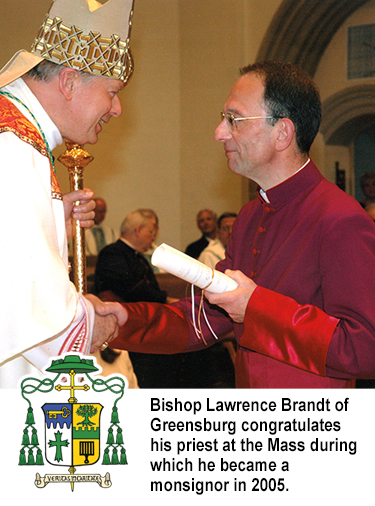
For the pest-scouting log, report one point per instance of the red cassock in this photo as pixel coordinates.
(311, 321)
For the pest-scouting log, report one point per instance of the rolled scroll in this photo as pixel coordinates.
(177, 263)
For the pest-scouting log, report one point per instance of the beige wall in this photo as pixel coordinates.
(161, 152)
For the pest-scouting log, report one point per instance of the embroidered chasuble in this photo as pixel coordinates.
(43, 315)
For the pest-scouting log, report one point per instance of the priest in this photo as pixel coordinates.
(302, 253)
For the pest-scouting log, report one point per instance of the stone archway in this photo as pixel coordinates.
(302, 29)
(299, 32)
(348, 113)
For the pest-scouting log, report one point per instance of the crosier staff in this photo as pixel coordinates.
(75, 158)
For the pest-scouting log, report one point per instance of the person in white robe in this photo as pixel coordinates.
(47, 94)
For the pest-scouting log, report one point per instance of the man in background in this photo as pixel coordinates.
(215, 251)
(207, 224)
(99, 235)
(121, 267)
(367, 184)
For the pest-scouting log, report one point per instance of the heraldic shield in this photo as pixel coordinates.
(72, 433)
(72, 427)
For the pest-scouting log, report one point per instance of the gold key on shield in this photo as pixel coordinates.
(65, 412)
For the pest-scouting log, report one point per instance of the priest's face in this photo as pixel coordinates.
(248, 144)
(93, 104)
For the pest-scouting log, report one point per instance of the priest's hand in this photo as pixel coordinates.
(83, 212)
(109, 317)
(234, 302)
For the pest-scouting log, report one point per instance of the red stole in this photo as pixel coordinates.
(12, 120)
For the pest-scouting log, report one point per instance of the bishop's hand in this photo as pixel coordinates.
(83, 212)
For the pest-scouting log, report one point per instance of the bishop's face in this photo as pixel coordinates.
(94, 102)
(248, 144)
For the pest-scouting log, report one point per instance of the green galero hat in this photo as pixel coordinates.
(72, 363)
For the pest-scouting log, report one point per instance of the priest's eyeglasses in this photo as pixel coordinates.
(232, 120)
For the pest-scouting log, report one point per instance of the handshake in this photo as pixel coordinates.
(109, 317)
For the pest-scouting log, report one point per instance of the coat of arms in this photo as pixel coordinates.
(72, 428)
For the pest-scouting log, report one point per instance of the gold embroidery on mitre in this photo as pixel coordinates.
(93, 53)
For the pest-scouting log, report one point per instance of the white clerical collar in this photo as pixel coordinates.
(19, 89)
(263, 194)
(128, 244)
